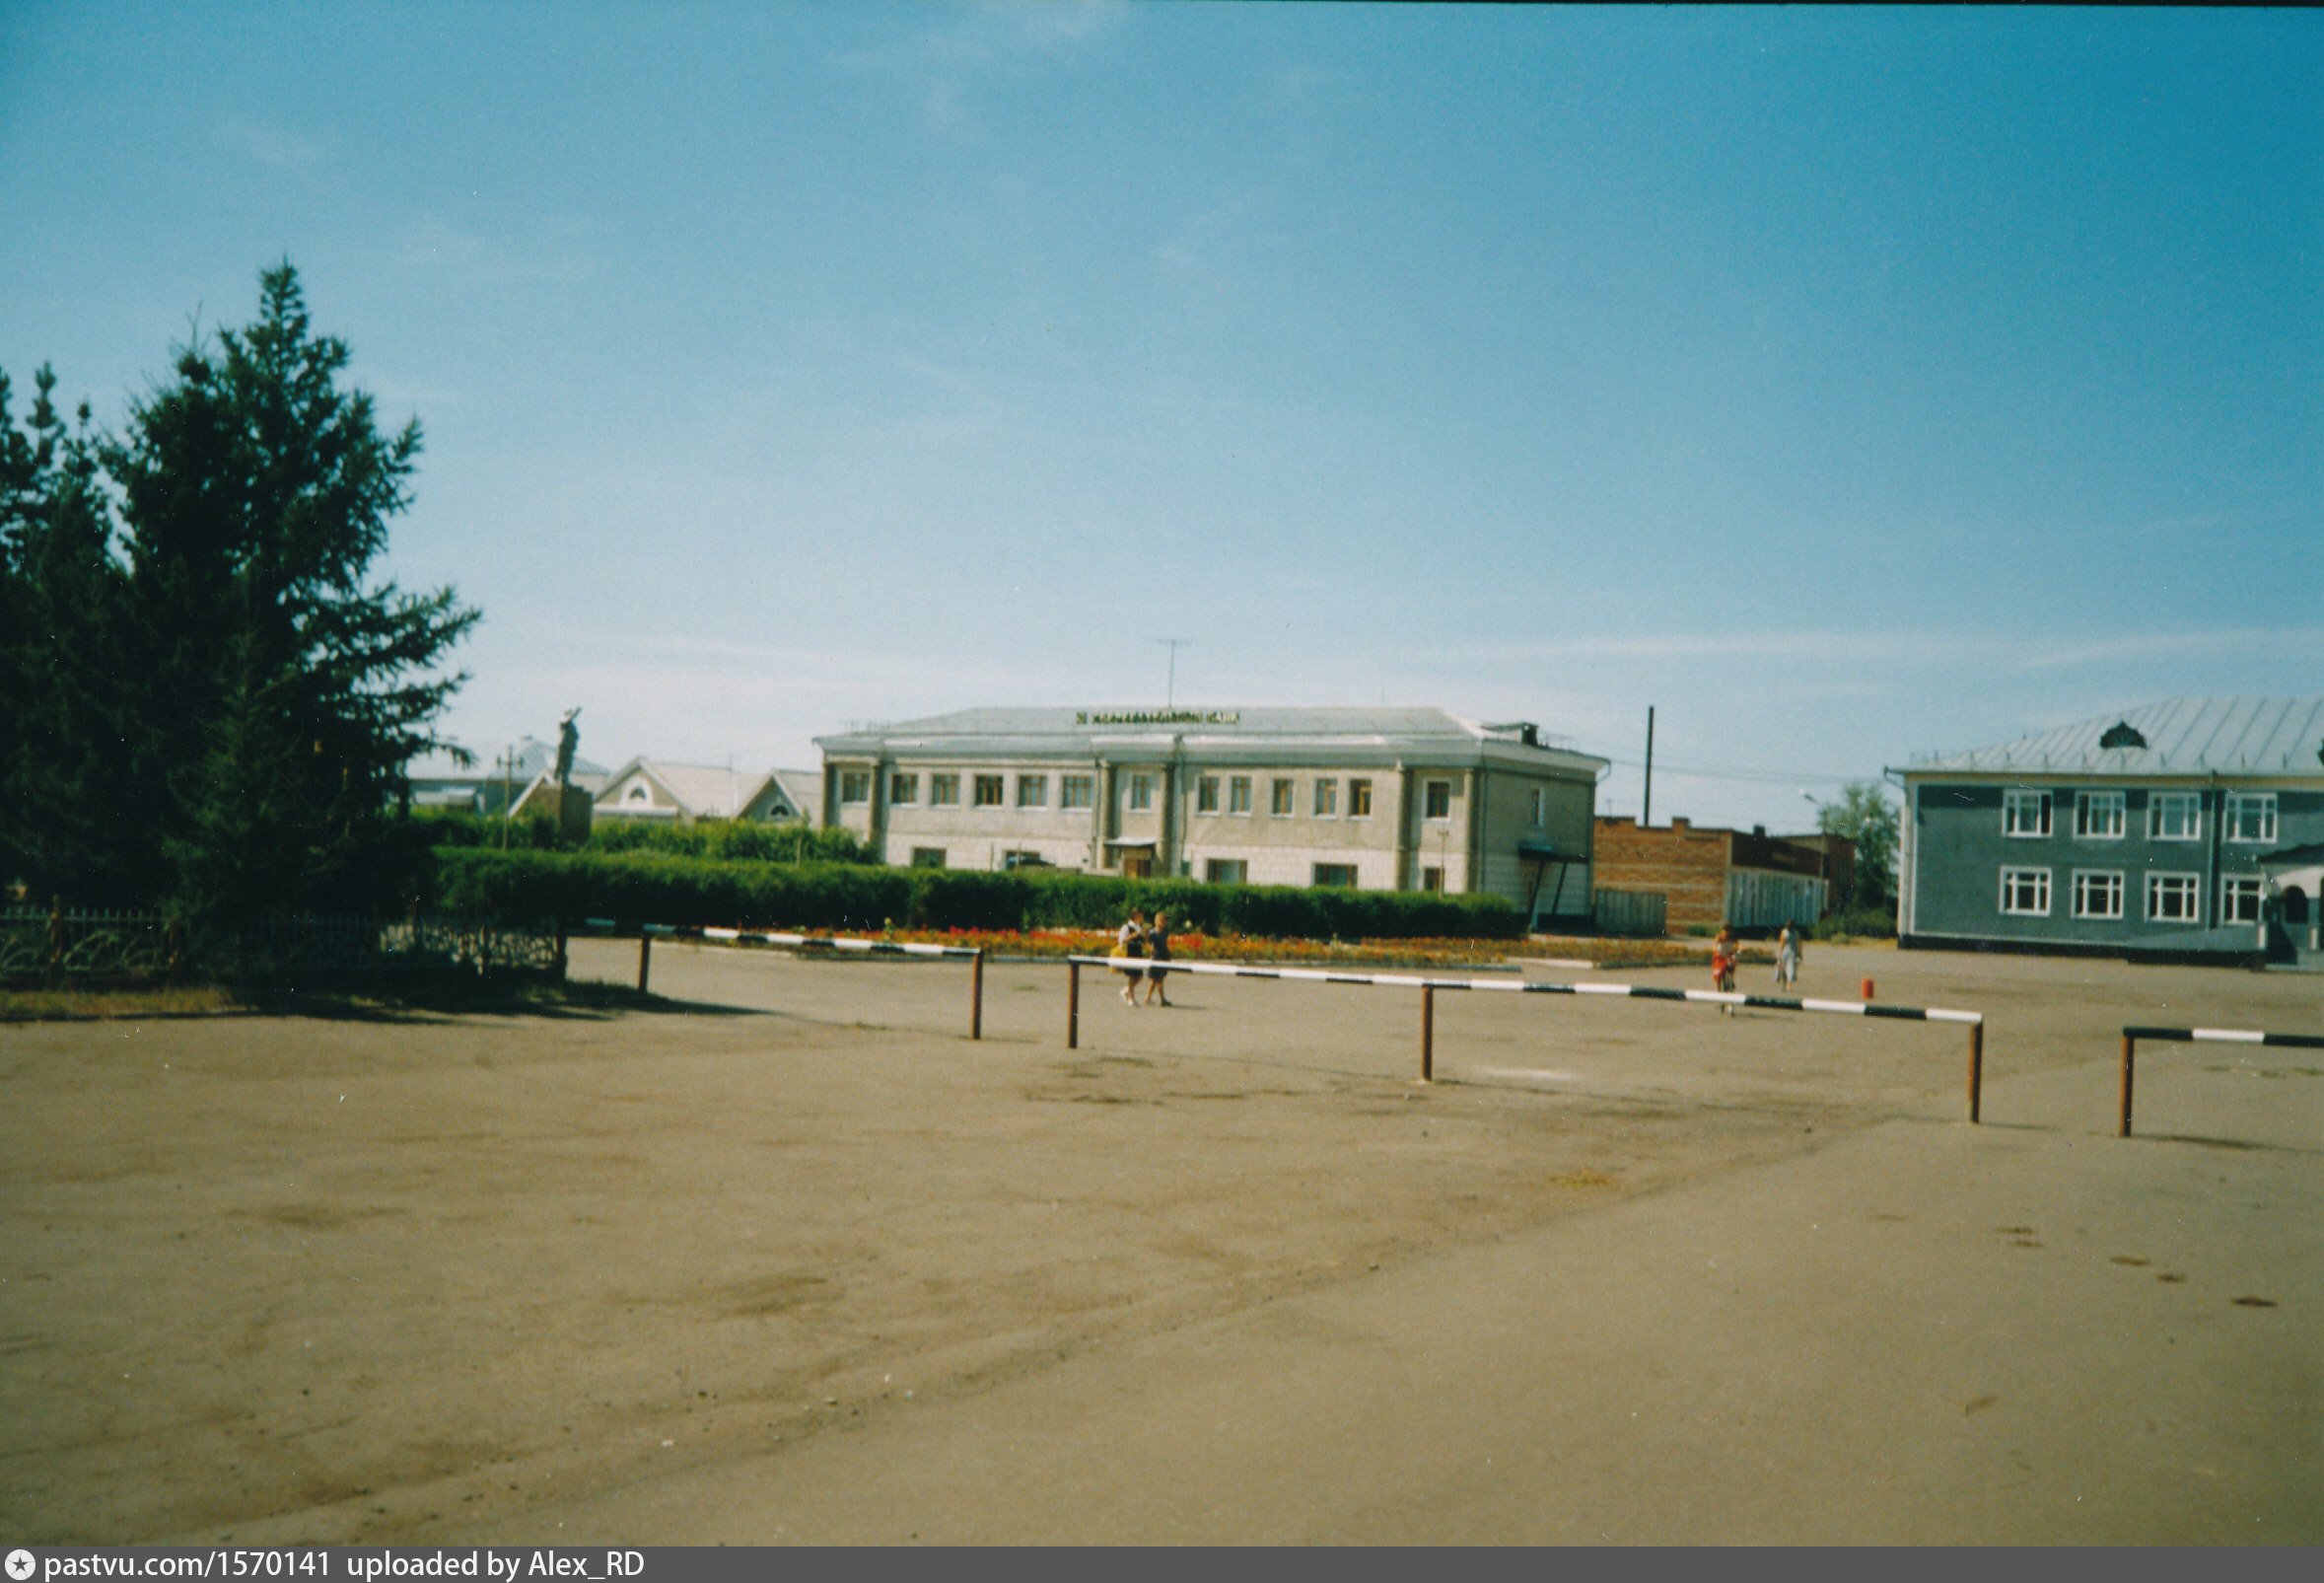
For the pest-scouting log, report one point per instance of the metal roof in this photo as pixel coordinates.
(2274, 737)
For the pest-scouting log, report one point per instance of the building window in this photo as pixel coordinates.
(2026, 813)
(903, 788)
(1436, 800)
(1033, 791)
(988, 791)
(1279, 797)
(2251, 816)
(2173, 897)
(638, 793)
(1075, 791)
(1340, 875)
(1226, 871)
(1206, 795)
(1359, 799)
(1541, 804)
(1140, 792)
(855, 785)
(1239, 795)
(2027, 891)
(945, 790)
(1431, 879)
(2174, 816)
(2239, 900)
(1327, 799)
(2097, 816)
(2097, 895)
(928, 857)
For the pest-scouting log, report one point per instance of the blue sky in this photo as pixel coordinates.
(1845, 385)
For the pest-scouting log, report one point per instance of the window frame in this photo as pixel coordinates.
(1206, 794)
(2231, 814)
(904, 789)
(1344, 877)
(1436, 799)
(2233, 889)
(1359, 797)
(2175, 882)
(1325, 801)
(928, 857)
(943, 791)
(997, 786)
(1033, 792)
(1077, 791)
(1431, 879)
(855, 787)
(1213, 871)
(1139, 797)
(2117, 890)
(2089, 803)
(2015, 799)
(1283, 797)
(2190, 801)
(1238, 796)
(2039, 879)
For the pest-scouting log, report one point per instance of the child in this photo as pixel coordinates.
(1723, 962)
(1130, 941)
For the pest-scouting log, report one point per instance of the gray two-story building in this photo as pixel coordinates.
(2192, 828)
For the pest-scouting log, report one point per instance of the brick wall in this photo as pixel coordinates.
(1686, 865)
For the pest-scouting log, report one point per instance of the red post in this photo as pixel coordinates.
(976, 999)
(1073, 1005)
(644, 959)
(1976, 1067)
(1868, 989)
(1428, 1032)
(2130, 1048)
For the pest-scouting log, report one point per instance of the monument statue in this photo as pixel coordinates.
(568, 738)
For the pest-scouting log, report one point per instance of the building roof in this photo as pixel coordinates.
(702, 791)
(533, 758)
(2274, 737)
(1000, 732)
(804, 789)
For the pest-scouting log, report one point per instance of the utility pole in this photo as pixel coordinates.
(1173, 644)
(1645, 813)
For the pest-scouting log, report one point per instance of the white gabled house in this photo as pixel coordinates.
(647, 788)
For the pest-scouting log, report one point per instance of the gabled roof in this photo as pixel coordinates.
(699, 791)
(804, 789)
(2274, 737)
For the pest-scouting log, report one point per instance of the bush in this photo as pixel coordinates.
(649, 887)
(1868, 923)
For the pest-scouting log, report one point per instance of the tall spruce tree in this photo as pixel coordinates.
(64, 723)
(277, 693)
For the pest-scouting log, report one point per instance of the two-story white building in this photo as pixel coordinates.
(1379, 799)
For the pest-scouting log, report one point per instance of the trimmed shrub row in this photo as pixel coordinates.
(653, 888)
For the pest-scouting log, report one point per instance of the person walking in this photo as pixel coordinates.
(1787, 958)
(1130, 941)
(1158, 951)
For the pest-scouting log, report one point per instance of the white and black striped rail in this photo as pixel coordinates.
(1428, 986)
(2198, 1035)
(825, 942)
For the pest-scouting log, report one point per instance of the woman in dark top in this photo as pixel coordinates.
(1158, 951)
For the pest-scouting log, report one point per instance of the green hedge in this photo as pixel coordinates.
(653, 888)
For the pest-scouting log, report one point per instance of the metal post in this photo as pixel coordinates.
(1428, 1032)
(2130, 1048)
(1073, 1005)
(1976, 1067)
(644, 959)
(976, 998)
(557, 966)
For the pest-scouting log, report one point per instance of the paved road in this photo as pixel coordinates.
(2029, 1332)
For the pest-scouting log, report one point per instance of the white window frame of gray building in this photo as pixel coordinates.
(1140, 792)
(943, 791)
(990, 791)
(855, 785)
(2239, 898)
(2098, 893)
(1360, 799)
(2174, 898)
(903, 788)
(1282, 797)
(1206, 794)
(2025, 892)
(2098, 816)
(1436, 799)
(2249, 816)
(1033, 791)
(2026, 814)
(1077, 791)
(1327, 797)
(1238, 794)
(2175, 815)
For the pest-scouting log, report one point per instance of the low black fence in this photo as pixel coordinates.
(71, 949)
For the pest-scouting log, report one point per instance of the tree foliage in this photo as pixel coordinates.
(1865, 817)
(235, 707)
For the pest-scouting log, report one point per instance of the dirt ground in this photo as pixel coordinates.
(421, 1278)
